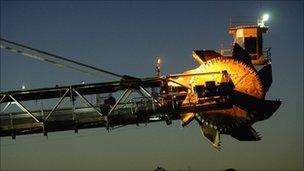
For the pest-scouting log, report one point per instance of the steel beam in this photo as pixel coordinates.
(125, 94)
(187, 87)
(6, 106)
(23, 108)
(2, 97)
(88, 103)
(149, 95)
(58, 103)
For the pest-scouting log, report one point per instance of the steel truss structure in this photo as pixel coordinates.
(149, 106)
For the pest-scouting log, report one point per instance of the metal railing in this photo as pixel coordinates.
(241, 21)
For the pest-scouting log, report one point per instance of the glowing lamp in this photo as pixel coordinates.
(261, 21)
(265, 17)
(158, 61)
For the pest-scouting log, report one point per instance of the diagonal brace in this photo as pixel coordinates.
(3, 98)
(143, 90)
(87, 102)
(6, 106)
(58, 103)
(23, 108)
(125, 94)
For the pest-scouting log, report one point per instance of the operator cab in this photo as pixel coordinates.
(249, 36)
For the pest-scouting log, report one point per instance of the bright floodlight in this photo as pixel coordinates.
(265, 17)
(158, 61)
(261, 21)
(23, 87)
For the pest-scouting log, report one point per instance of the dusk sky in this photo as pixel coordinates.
(126, 37)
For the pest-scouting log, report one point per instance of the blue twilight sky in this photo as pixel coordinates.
(125, 37)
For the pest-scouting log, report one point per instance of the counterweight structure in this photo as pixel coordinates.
(225, 94)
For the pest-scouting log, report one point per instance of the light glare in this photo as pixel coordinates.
(265, 17)
(158, 61)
